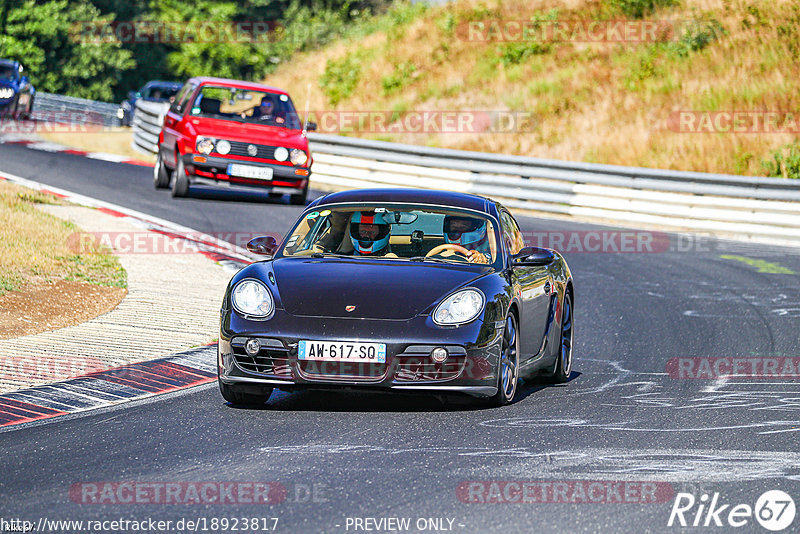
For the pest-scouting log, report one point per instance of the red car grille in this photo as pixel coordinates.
(239, 148)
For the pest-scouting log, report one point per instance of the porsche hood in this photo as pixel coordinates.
(366, 289)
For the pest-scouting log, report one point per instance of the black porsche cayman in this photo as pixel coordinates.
(397, 289)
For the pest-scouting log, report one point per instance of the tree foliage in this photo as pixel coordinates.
(42, 37)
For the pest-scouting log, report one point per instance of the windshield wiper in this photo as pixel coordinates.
(427, 258)
(328, 255)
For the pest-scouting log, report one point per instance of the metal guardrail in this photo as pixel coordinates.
(68, 109)
(147, 121)
(754, 207)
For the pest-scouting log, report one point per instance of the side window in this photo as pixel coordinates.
(180, 99)
(511, 233)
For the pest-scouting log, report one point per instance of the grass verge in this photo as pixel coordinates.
(35, 246)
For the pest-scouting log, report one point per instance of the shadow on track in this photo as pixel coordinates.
(256, 196)
(353, 400)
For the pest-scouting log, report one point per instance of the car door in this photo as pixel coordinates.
(172, 123)
(535, 291)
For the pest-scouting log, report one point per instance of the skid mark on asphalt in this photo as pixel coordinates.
(669, 465)
(109, 387)
(711, 406)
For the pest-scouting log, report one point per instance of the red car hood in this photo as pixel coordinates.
(247, 132)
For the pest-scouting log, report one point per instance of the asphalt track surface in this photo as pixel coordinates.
(621, 419)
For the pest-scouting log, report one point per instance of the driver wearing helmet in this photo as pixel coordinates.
(470, 233)
(266, 111)
(369, 233)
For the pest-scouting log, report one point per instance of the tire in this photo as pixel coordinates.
(180, 182)
(508, 366)
(241, 398)
(563, 365)
(161, 174)
(299, 199)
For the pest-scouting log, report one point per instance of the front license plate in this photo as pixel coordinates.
(250, 171)
(332, 351)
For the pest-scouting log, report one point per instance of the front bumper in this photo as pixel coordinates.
(471, 367)
(213, 171)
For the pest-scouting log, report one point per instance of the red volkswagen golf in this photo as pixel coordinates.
(234, 134)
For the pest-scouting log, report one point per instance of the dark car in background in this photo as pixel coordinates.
(152, 91)
(16, 91)
(233, 134)
(397, 290)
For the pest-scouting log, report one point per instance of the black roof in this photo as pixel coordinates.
(412, 196)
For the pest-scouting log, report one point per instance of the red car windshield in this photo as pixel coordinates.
(240, 105)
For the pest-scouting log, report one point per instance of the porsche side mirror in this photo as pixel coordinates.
(534, 256)
(312, 126)
(264, 245)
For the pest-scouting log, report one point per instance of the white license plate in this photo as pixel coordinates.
(333, 351)
(250, 171)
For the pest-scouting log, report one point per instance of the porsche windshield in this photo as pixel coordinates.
(409, 233)
(260, 107)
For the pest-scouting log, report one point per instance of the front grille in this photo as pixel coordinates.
(416, 365)
(272, 359)
(350, 371)
(239, 148)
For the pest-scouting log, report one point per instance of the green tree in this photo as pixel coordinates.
(46, 38)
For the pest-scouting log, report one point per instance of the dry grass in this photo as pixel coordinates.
(602, 102)
(115, 141)
(35, 246)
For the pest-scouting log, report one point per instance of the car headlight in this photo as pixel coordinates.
(223, 147)
(298, 157)
(281, 154)
(459, 308)
(204, 145)
(252, 298)
(6, 92)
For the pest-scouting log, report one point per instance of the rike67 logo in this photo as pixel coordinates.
(774, 510)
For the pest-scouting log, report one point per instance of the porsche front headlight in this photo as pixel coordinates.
(298, 157)
(204, 145)
(251, 298)
(459, 308)
(6, 92)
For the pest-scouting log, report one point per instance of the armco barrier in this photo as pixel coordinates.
(59, 108)
(750, 207)
(147, 120)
